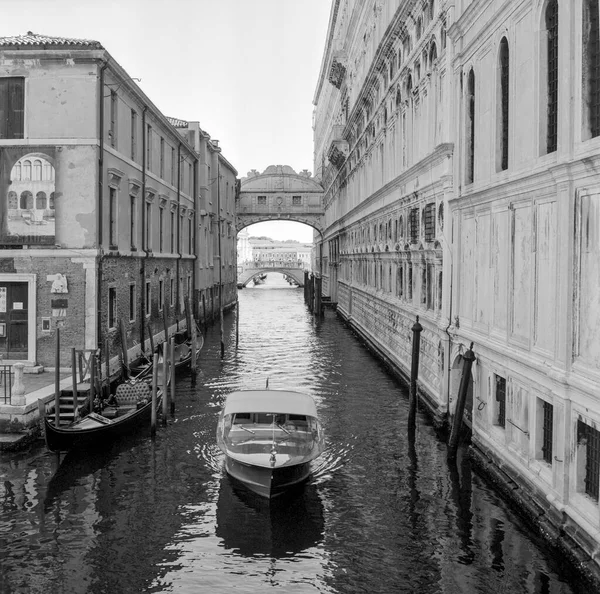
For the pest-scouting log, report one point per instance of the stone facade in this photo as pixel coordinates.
(108, 210)
(458, 146)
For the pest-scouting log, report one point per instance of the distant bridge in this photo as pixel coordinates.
(246, 272)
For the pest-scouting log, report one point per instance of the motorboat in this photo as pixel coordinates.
(269, 438)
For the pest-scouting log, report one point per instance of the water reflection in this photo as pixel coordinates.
(250, 525)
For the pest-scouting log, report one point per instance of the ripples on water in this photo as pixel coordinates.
(381, 514)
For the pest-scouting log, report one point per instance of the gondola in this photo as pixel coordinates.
(269, 438)
(184, 349)
(132, 411)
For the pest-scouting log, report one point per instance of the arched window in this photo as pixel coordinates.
(504, 105)
(26, 200)
(470, 144)
(419, 27)
(441, 216)
(40, 201)
(552, 75)
(47, 173)
(18, 172)
(51, 205)
(591, 67)
(432, 54)
(27, 170)
(37, 170)
(13, 201)
(401, 226)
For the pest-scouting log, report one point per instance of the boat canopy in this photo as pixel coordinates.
(270, 401)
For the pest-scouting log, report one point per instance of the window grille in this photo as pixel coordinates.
(262, 200)
(593, 62)
(296, 200)
(429, 221)
(501, 400)
(552, 57)
(414, 225)
(504, 81)
(590, 438)
(547, 433)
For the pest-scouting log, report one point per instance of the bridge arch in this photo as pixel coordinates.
(247, 273)
(280, 194)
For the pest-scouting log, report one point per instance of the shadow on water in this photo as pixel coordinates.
(251, 525)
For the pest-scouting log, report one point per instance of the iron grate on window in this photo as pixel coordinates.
(594, 66)
(591, 438)
(504, 81)
(414, 225)
(547, 434)
(429, 222)
(552, 56)
(501, 399)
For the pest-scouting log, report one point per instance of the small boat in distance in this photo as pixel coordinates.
(269, 438)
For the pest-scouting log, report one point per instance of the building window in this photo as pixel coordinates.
(430, 287)
(552, 74)
(591, 66)
(132, 222)
(262, 200)
(112, 133)
(409, 283)
(296, 200)
(470, 127)
(112, 216)
(504, 109)
(190, 236)
(439, 289)
(112, 307)
(414, 225)
(500, 401)
(148, 299)
(172, 232)
(400, 282)
(588, 442)
(172, 292)
(161, 294)
(133, 135)
(40, 201)
(12, 100)
(162, 158)
(429, 221)
(547, 432)
(173, 166)
(148, 246)
(161, 229)
(149, 147)
(424, 285)
(132, 300)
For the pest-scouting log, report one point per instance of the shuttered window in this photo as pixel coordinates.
(552, 65)
(11, 107)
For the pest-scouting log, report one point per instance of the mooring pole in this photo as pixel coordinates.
(165, 386)
(305, 286)
(237, 322)
(318, 285)
(74, 381)
(414, 374)
(172, 357)
(468, 358)
(57, 380)
(154, 382)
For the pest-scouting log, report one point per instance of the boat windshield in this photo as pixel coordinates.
(285, 422)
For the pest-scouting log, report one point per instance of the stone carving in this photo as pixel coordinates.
(59, 284)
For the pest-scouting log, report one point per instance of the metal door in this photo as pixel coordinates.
(13, 320)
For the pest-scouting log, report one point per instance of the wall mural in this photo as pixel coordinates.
(27, 198)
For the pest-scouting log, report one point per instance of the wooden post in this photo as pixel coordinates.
(154, 382)
(107, 367)
(57, 380)
(318, 285)
(74, 379)
(237, 322)
(414, 374)
(92, 380)
(42, 413)
(165, 324)
(172, 358)
(204, 312)
(165, 386)
(124, 347)
(193, 345)
(151, 337)
(468, 358)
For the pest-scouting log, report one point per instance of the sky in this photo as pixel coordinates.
(245, 69)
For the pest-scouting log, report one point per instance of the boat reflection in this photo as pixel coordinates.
(251, 525)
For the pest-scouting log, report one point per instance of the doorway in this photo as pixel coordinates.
(14, 324)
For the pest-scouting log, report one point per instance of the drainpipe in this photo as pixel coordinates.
(178, 234)
(144, 246)
(100, 198)
(195, 243)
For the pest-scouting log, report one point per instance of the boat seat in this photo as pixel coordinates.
(130, 393)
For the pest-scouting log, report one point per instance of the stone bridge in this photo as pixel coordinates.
(279, 194)
(246, 272)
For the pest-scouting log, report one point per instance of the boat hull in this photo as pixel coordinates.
(62, 439)
(265, 481)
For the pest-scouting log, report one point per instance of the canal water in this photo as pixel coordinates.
(381, 513)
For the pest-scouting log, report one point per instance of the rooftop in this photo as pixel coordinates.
(31, 39)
